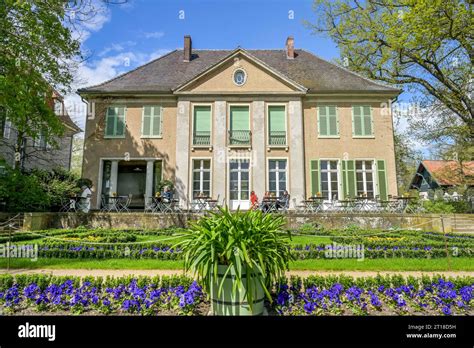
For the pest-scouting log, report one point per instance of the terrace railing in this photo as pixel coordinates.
(277, 138)
(202, 138)
(240, 138)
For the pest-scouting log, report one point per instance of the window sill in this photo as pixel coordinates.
(329, 137)
(151, 137)
(363, 137)
(114, 137)
(201, 147)
(277, 147)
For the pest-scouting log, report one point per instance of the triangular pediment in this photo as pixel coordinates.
(259, 78)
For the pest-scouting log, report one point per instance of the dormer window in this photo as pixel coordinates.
(58, 107)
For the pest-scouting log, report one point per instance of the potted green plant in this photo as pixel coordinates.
(237, 257)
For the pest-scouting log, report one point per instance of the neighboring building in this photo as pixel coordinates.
(38, 153)
(433, 175)
(226, 122)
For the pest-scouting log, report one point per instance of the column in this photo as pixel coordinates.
(149, 180)
(182, 152)
(297, 177)
(219, 151)
(114, 177)
(258, 148)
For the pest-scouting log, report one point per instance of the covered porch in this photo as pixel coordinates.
(135, 177)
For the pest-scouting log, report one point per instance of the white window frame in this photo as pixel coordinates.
(192, 122)
(364, 176)
(115, 126)
(277, 182)
(7, 128)
(61, 107)
(160, 136)
(248, 159)
(191, 186)
(338, 176)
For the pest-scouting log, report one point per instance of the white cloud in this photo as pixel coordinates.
(154, 35)
(117, 47)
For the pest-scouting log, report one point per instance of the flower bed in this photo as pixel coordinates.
(378, 295)
(180, 295)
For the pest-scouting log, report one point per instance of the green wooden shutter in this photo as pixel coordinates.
(323, 121)
(332, 121)
(382, 180)
(276, 118)
(110, 121)
(315, 177)
(120, 122)
(156, 121)
(239, 118)
(348, 178)
(202, 118)
(367, 120)
(146, 123)
(357, 121)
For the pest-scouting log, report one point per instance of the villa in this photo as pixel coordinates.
(224, 123)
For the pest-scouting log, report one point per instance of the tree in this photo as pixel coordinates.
(425, 45)
(406, 160)
(36, 51)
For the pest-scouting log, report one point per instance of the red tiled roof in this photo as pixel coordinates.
(448, 173)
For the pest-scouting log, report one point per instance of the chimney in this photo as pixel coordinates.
(187, 48)
(290, 47)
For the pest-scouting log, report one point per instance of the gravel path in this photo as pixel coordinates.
(125, 272)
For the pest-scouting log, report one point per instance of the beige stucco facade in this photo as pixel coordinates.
(216, 88)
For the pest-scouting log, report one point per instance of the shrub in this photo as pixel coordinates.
(438, 207)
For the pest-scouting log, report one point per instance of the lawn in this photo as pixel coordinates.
(440, 264)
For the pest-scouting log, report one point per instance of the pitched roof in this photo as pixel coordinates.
(448, 173)
(67, 121)
(166, 73)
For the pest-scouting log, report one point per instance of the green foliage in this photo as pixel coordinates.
(22, 192)
(37, 190)
(161, 186)
(248, 243)
(37, 50)
(438, 207)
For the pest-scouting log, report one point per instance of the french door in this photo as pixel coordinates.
(239, 183)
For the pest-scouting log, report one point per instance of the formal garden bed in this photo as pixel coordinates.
(181, 295)
(306, 243)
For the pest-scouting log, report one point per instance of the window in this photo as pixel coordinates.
(58, 107)
(364, 178)
(3, 120)
(362, 121)
(240, 77)
(276, 125)
(151, 121)
(277, 176)
(115, 122)
(202, 125)
(329, 179)
(328, 122)
(40, 142)
(239, 133)
(201, 178)
(7, 129)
